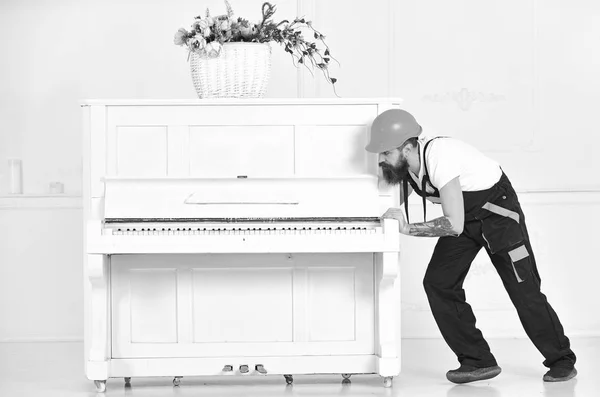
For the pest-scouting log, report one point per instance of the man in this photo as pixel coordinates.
(481, 209)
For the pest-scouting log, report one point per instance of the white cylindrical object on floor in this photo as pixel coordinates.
(15, 176)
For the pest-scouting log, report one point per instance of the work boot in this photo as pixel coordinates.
(561, 371)
(468, 373)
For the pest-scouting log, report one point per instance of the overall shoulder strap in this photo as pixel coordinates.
(405, 194)
(426, 180)
(420, 191)
(405, 182)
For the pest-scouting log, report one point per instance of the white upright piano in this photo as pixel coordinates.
(237, 238)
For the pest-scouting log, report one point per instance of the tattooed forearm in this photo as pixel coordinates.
(435, 228)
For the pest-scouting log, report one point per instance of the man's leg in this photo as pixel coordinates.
(443, 284)
(518, 271)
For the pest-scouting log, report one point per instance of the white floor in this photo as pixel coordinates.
(56, 370)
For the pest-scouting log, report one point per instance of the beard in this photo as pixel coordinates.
(394, 174)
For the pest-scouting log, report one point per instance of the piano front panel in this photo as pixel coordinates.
(231, 151)
(253, 305)
(133, 162)
(153, 302)
(229, 141)
(321, 324)
(333, 150)
(236, 304)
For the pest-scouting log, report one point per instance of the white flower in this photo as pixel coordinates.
(225, 25)
(248, 31)
(203, 24)
(180, 37)
(197, 44)
(213, 49)
(206, 32)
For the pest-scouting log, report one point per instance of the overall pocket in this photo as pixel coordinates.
(502, 228)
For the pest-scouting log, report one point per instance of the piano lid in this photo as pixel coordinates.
(169, 198)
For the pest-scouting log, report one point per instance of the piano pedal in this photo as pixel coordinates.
(244, 369)
(227, 370)
(260, 369)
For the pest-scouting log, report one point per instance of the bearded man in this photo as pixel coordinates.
(481, 210)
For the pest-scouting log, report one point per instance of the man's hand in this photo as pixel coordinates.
(396, 213)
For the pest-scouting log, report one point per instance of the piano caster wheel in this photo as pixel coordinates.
(127, 382)
(346, 376)
(100, 386)
(244, 369)
(289, 379)
(177, 380)
(260, 369)
(387, 381)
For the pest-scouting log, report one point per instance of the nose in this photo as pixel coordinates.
(381, 158)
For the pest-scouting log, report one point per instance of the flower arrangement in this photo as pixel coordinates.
(209, 33)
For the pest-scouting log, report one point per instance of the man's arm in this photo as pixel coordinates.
(452, 223)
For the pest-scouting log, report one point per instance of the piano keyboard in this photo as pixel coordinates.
(241, 226)
(242, 231)
(250, 236)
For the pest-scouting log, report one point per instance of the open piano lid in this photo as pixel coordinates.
(135, 199)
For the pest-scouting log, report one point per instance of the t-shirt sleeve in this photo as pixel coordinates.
(441, 162)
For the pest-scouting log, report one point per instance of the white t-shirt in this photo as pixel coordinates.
(448, 158)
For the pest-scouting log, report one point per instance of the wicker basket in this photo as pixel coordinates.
(241, 71)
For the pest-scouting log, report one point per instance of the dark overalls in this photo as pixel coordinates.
(493, 220)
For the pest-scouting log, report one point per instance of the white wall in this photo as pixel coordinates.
(516, 78)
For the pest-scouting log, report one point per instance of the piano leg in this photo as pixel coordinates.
(387, 381)
(388, 316)
(97, 364)
(100, 386)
